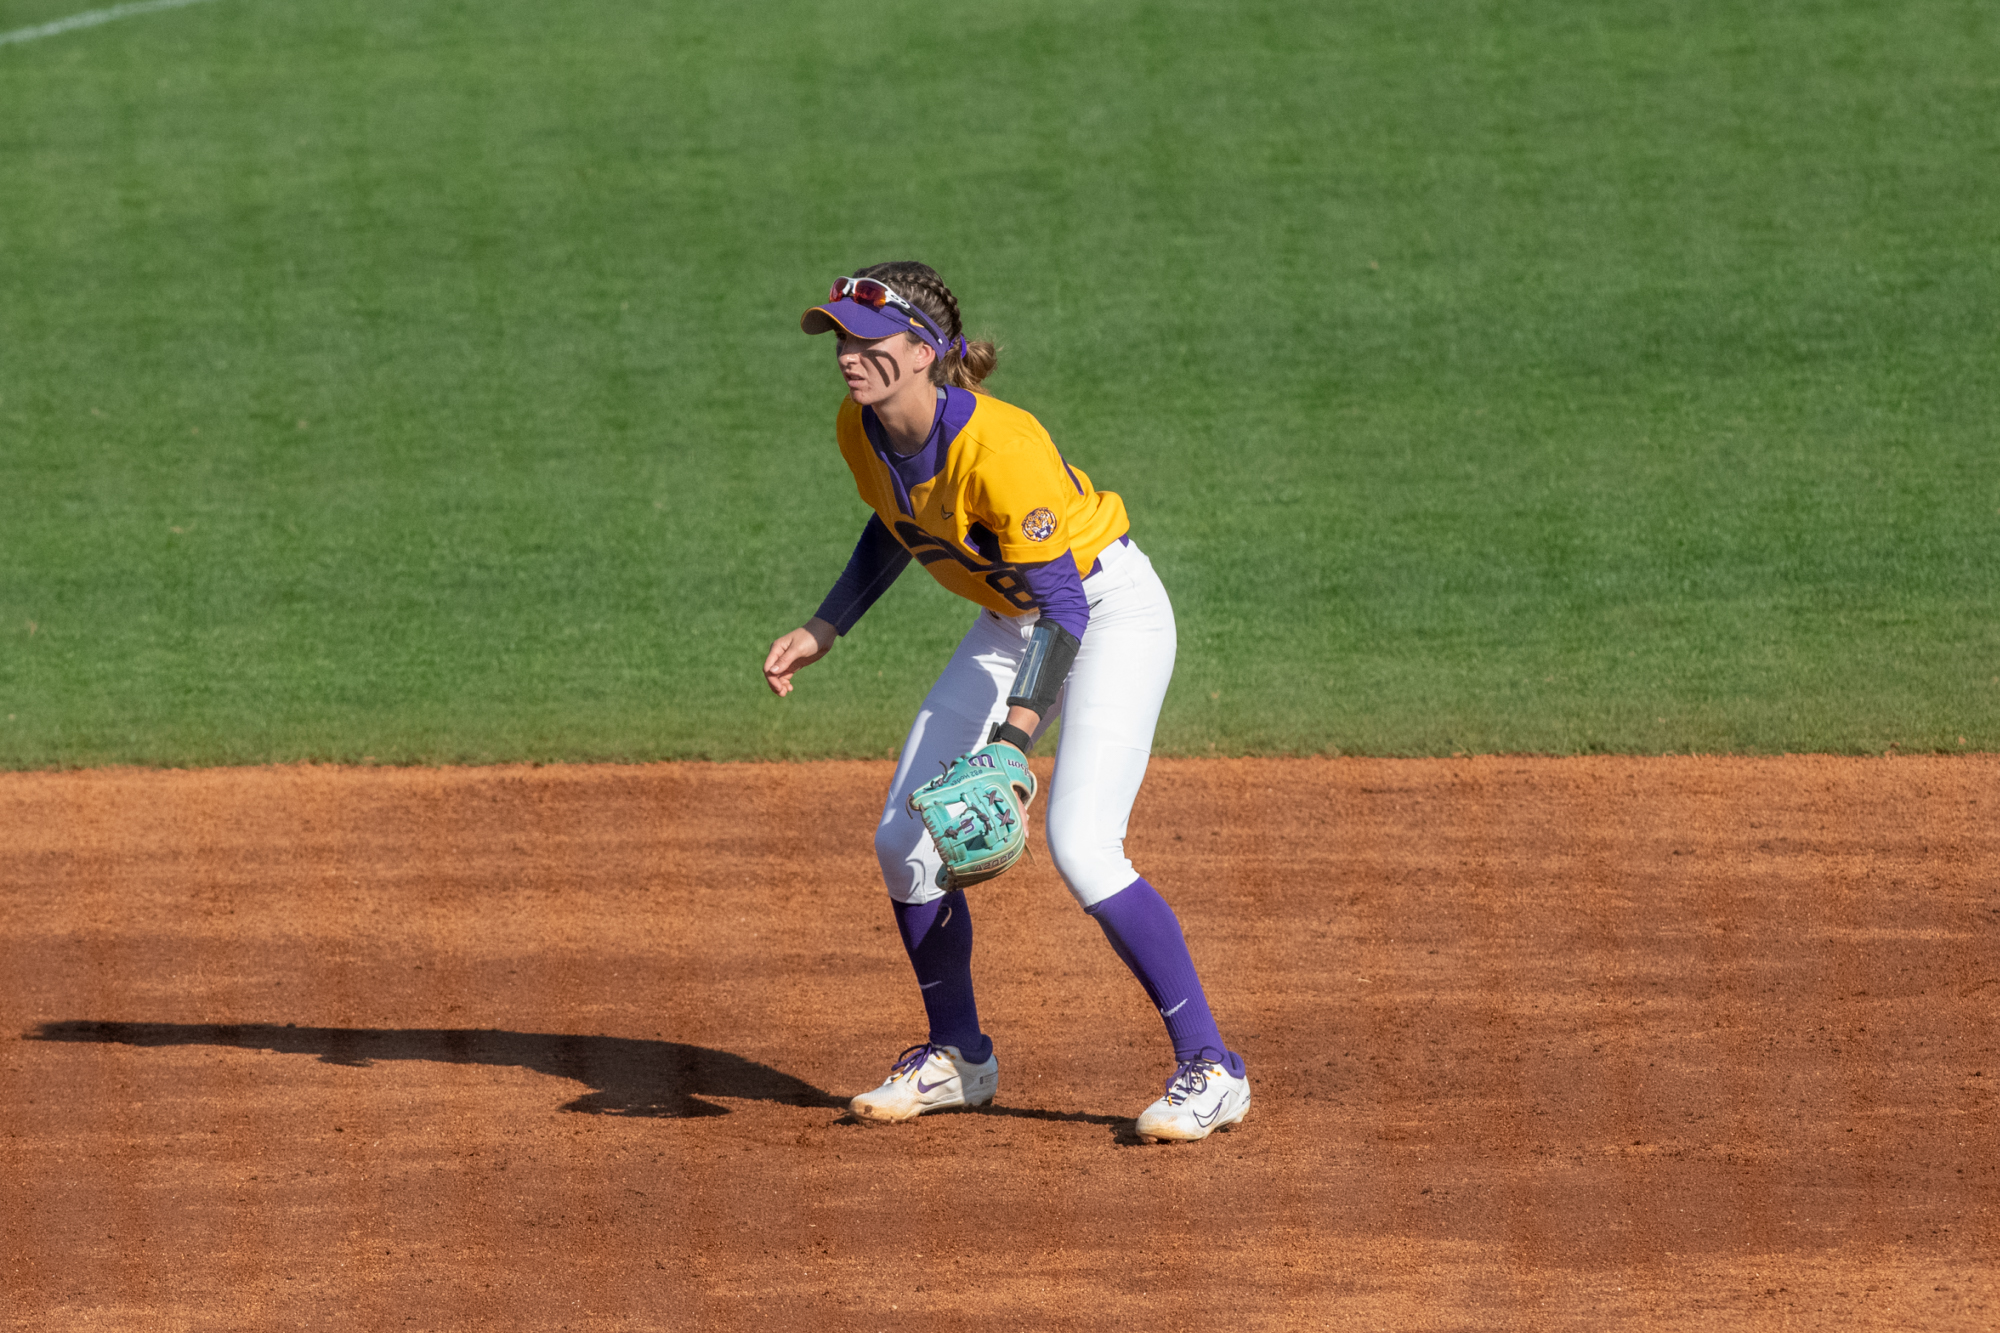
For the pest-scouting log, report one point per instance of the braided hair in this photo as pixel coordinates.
(920, 285)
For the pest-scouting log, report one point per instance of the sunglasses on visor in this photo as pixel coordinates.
(875, 295)
(868, 292)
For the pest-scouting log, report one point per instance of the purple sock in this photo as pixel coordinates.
(1146, 934)
(938, 938)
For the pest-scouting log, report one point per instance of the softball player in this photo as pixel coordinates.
(1072, 620)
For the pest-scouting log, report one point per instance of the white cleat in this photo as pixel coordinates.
(1201, 1098)
(929, 1078)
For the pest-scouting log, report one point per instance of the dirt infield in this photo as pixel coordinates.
(1670, 1043)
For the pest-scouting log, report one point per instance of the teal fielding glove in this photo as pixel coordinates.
(977, 814)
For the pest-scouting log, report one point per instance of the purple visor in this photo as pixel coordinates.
(862, 321)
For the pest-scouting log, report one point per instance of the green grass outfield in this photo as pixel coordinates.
(420, 379)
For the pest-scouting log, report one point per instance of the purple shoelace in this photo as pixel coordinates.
(1191, 1077)
(913, 1059)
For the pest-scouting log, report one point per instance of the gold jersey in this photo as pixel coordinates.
(987, 494)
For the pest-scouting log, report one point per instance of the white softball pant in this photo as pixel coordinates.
(1109, 708)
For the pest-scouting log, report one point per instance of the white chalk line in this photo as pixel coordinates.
(90, 19)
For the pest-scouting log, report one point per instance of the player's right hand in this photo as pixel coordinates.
(801, 648)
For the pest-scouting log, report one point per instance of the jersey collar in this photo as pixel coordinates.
(954, 409)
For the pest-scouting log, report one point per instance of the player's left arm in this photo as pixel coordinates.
(1052, 651)
(1024, 498)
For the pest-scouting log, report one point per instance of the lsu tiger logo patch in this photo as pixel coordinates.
(1038, 526)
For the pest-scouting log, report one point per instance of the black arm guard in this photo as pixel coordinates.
(1051, 653)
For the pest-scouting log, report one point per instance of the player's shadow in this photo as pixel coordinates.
(668, 1079)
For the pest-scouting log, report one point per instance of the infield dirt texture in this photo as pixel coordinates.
(1538, 1044)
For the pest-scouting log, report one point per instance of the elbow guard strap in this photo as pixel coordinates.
(1051, 653)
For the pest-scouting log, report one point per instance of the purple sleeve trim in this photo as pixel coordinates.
(1059, 589)
(878, 558)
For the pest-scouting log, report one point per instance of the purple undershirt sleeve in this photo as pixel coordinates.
(1058, 588)
(878, 558)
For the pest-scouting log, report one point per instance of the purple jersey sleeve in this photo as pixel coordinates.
(878, 558)
(1059, 590)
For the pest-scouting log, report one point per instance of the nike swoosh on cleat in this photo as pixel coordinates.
(1169, 1013)
(923, 1087)
(1219, 1106)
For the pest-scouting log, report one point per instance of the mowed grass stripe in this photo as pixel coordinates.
(422, 382)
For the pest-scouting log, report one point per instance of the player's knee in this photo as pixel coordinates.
(1093, 866)
(906, 871)
(893, 850)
